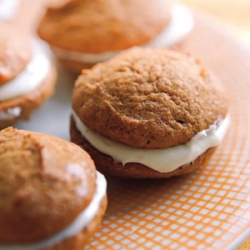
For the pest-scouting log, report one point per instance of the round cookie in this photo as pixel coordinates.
(148, 113)
(82, 33)
(51, 195)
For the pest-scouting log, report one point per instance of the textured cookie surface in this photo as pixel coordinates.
(149, 98)
(45, 182)
(101, 25)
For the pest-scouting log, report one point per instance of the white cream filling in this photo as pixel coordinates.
(8, 9)
(10, 113)
(75, 227)
(180, 25)
(33, 75)
(161, 160)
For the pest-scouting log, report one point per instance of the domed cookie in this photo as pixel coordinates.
(148, 113)
(51, 195)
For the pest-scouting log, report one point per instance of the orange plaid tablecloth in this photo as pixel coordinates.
(245, 245)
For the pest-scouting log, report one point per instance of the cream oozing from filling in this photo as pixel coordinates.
(75, 227)
(33, 75)
(10, 113)
(8, 9)
(180, 25)
(161, 160)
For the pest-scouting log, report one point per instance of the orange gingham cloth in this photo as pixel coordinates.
(245, 245)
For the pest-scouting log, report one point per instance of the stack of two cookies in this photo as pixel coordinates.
(27, 75)
(149, 113)
(83, 33)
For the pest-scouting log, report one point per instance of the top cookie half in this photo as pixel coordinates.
(112, 24)
(149, 98)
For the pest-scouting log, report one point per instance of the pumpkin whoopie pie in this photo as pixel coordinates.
(148, 113)
(52, 197)
(83, 33)
(27, 73)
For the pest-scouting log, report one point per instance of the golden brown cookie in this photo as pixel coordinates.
(47, 186)
(98, 26)
(152, 100)
(82, 33)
